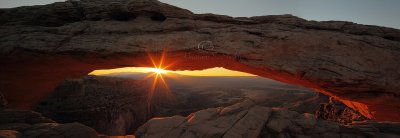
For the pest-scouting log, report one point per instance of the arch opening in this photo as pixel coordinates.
(131, 94)
(46, 72)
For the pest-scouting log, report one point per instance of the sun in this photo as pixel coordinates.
(158, 70)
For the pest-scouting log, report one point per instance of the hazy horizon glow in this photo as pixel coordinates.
(369, 12)
(217, 71)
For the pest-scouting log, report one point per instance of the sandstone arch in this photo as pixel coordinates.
(358, 64)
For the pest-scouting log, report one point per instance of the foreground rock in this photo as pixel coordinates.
(245, 119)
(338, 112)
(29, 124)
(234, 121)
(358, 64)
(112, 106)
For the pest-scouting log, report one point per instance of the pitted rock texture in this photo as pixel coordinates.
(358, 64)
(247, 120)
(338, 112)
(112, 106)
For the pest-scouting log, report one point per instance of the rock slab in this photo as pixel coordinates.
(238, 120)
(246, 120)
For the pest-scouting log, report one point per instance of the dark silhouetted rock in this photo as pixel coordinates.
(29, 124)
(112, 106)
(22, 116)
(71, 130)
(3, 101)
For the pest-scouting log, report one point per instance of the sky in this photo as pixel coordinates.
(370, 12)
(217, 71)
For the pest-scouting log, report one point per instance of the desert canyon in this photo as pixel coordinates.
(46, 57)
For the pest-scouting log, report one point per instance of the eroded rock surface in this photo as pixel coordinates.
(245, 119)
(338, 112)
(234, 121)
(358, 64)
(112, 106)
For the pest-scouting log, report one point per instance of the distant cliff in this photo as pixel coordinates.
(111, 106)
